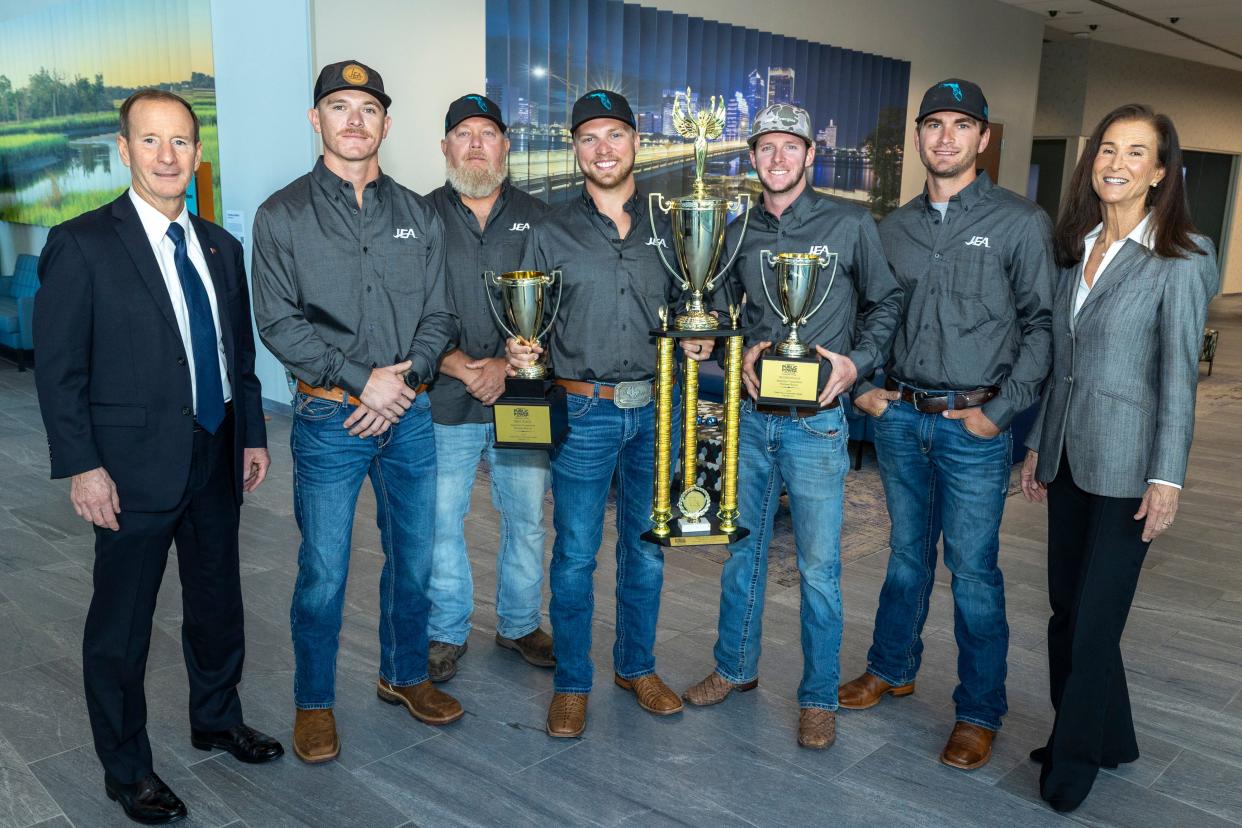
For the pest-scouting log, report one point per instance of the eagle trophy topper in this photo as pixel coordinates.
(702, 125)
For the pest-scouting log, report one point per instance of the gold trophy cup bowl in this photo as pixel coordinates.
(699, 223)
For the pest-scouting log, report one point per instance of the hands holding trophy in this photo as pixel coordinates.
(532, 412)
(789, 375)
(699, 222)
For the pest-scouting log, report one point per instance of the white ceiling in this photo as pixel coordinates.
(1216, 21)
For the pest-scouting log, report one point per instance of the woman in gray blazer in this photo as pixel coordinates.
(1109, 449)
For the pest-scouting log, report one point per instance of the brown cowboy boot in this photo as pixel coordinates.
(442, 659)
(867, 690)
(969, 746)
(567, 715)
(425, 701)
(653, 694)
(314, 736)
(535, 647)
(817, 728)
(714, 689)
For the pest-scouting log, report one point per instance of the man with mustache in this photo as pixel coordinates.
(486, 221)
(349, 295)
(601, 351)
(803, 449)
(972, 348)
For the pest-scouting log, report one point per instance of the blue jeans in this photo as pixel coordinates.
(329, 466)
(940, 478)
(604, 442)
(519, 480)
(809, 456)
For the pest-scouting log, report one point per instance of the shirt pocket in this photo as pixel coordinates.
(979, 286)
(405, 268)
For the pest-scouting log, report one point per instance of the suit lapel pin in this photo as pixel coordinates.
(213, 250)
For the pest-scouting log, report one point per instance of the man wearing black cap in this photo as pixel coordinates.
(349, 295)
(971, 351)
(486, 222)
(600, 350)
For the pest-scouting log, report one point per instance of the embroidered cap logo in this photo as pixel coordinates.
(604, 100)
(481, 103)
(955, 89)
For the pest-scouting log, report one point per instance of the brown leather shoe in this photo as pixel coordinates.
(314, 736)
(425, 701)
(567, 715)
(653, 694)
(969, 746)
(714, 689)
(817, 728)
(442, 659)
(867, 690)
(535, 647)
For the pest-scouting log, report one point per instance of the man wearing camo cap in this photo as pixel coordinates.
(802, 448)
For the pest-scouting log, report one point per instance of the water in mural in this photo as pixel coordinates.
(64, 72)
(543, 54)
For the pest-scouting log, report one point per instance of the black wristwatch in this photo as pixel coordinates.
(411, 379)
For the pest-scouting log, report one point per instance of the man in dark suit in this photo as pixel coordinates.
(147, 389)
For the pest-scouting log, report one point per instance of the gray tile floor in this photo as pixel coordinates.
(735, 764)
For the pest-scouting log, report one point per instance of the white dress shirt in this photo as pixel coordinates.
(1140, 234)
(155, 224)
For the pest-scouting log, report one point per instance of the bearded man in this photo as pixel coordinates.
(486, 222)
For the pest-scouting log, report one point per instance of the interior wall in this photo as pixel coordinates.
(992, 43)
(1205, 103)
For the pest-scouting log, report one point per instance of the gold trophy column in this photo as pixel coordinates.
(690, 425)
(662, 507)
(728, 512)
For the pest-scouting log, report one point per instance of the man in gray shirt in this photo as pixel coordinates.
(486, 222)
(601, 351)
(802, 449)
(973, 347)
(349, 295)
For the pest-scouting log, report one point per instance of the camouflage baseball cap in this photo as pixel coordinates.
(782, 117)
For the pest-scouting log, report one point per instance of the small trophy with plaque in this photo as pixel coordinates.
(531, 413)
(789, 373)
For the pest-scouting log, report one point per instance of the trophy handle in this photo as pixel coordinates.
(656, 203)
(742, 198)
(489, 279)
(552, 277)
(766, 259)
(823, 262)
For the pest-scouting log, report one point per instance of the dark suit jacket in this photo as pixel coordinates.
(112, 373)
(1120, 399)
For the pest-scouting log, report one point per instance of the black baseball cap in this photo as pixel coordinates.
(350, 74)
(954, 95)
(601, 103)
(472, 106)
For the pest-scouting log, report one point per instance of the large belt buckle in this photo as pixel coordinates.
(634, 394)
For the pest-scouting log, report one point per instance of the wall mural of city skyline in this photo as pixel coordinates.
(544, 54)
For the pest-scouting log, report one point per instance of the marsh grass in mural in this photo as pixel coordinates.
(544, 54)
(64, 72)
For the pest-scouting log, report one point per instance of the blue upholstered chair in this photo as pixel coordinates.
(17, 293)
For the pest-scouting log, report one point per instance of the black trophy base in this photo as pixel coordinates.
(676, 538)
(787, 380)
(531, 414)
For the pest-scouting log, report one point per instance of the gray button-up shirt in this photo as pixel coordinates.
(613, 290)
(470, 251)
(978, 295)
(863, 305)
(339, 290)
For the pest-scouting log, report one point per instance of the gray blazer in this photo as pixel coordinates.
(1121, 395)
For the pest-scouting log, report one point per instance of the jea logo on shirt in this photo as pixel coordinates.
(405, 233)
(979, 241)
(520, 227)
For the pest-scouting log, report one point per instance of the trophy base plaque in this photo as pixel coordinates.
(711, 536)
(789, 380)
(531, 414)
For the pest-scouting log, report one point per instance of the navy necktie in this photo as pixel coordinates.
(209, 411)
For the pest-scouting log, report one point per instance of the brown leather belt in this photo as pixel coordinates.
(788, 411)
(339, 394)
(935, 402)
(586, 389)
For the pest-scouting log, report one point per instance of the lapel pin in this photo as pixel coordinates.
(213, 250)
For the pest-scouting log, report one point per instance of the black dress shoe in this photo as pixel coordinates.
(1040, 755)
(245, 743)
(148, 800)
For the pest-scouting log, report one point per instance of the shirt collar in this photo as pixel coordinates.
(501, 200)
(1143, 233)
(333, 184)
(633, 204)
(154, 223)
(970, 195)
(806, 201)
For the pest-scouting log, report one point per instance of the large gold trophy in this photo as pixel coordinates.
(699, 222)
